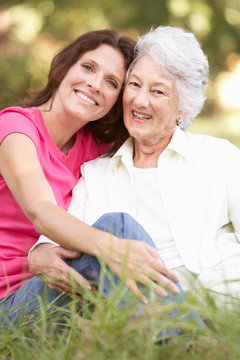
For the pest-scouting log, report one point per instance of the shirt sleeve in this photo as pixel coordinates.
(41, 240)
(14, 122)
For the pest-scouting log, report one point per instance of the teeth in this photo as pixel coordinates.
(141, 116)
(84, 97)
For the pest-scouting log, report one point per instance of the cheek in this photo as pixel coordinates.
(126, 98)
(126, 118)
(163, 112)
(111, 98)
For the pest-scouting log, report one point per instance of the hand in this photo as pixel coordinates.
(46, 262)
(138, 262)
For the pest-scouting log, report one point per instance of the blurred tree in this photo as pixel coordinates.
(31, 31)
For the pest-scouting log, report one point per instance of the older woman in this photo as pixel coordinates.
(182, 188)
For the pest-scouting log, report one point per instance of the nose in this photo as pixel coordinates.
(142, 99)
(95, 83)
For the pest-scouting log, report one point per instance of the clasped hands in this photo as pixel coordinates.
(134, 260)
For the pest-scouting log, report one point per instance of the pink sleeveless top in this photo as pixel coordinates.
(17, 234)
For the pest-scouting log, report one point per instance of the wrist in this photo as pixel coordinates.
(105, 245)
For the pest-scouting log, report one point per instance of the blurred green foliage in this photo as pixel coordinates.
(31, 32)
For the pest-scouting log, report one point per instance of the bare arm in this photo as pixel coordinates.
(23, 174)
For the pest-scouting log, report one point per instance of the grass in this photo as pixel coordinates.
(104, 330)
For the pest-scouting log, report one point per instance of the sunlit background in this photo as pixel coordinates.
(31, 32)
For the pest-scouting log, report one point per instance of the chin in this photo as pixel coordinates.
(139, 138)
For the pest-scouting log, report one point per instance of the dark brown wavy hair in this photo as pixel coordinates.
(109, 128)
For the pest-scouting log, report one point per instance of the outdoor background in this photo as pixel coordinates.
(32, 31)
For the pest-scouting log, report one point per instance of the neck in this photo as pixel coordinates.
(62, 130)
(146, 155)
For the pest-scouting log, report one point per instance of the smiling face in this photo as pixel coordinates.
(92, 85)
(150, 104)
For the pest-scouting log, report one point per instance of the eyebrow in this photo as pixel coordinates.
(154, 84)
(96, 64)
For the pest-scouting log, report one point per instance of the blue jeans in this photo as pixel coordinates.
(26, 298)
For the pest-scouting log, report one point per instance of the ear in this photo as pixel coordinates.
(181, 114)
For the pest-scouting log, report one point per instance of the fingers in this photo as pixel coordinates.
(66, 253)
(140, 263)
(152, 269)
(60, 286)
(159, 266)
(47, 263)
(66, 278)
(169, 285)
(151, 259)
(159, 290)
(160, 277)
(159, 283)
(166, 272)
(131, 284)
(74, 276)
(67, 284)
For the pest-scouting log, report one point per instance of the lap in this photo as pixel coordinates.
(35, 290)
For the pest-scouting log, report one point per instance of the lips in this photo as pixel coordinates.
(86, 98)
(140, 116)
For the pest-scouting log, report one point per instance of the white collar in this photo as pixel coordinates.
(178, 143)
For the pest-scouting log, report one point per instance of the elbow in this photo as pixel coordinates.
(35, 219)
(40, 217)
(38, 226)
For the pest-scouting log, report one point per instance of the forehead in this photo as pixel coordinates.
(102, 49)
(106, 55)
(147, 70)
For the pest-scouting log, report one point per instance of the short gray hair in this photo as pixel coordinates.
(179, 55)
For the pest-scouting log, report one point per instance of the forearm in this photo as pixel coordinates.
(68, 231)
(133, 260)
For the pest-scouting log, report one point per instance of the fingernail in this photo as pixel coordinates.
(176, 289)
(162, 293)
(174, 277)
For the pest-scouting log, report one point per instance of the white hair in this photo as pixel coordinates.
(179, 56)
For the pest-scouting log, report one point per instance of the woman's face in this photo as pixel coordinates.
(92, 85)
(150, 103)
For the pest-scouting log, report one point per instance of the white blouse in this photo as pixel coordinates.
(199, 183)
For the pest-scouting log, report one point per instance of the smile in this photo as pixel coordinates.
(141, 116)
(85, 98)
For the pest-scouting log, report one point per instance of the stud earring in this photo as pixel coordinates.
(178, 121)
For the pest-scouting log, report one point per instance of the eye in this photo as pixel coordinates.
(133, 84)
(158, 92)
(87, 67)
(113, 83)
